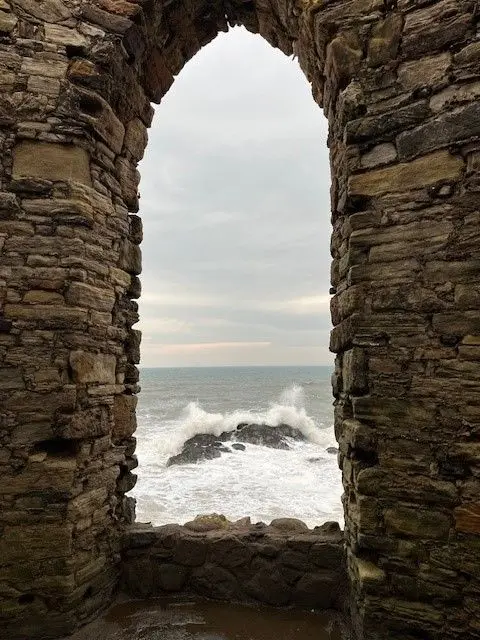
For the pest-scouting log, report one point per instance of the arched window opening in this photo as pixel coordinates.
(235, 301)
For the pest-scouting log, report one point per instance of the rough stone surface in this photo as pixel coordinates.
(399, 82)
(229, 563)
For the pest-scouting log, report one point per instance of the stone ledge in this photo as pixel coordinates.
(282, 564)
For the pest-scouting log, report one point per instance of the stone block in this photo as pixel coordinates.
(381, 154)
(129, 179)
(45, 10)
(38, 542)
(85, 295)
(446, 129)
(385, 40)
(89, 423)
(124, 417)
(171, 577)
(130, 258)
(38, 296)
(373, 128)
(355, 371)
(269, 586)
(433, 28)
(214, 582)
(417, 523)
(136, 138)
(8, 22)
(64, 35)
(426, 72)
(93, 367)
(11, 378)
(418, 174)
(190, 551)
(51, 161)
(50, 474)
(467, 518)
(316, 591)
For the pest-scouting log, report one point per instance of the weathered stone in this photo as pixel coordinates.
(467, 518)
(46, 10)
(171, 577)
(52, 161)
(428, 170)
(64, 35)
(317, 591)
(385, 39)
(447, 129)
(434, 27)
(8, 22)
(288, 524)
(84, 295)
(124, 417)
(381, 154)
(93, 367)
(136, 138)
(426, 72)
(417, 523)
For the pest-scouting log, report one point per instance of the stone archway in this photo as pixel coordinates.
(399, 83)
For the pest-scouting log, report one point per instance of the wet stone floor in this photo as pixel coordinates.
(162, 619)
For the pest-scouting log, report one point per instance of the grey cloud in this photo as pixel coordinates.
(235, 202)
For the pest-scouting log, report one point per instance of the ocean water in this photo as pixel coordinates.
(263, 483)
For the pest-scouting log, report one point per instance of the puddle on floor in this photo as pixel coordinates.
(162, 619)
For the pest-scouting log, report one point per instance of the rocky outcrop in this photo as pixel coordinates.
(283, 564)
(206, 446)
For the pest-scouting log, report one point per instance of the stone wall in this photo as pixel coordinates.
(279, 565)
(399, 83)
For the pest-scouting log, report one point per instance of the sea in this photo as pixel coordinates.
(176, 403)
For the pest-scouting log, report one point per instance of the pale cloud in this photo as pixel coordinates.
(235, 202)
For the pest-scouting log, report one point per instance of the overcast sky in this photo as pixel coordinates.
(235, 204)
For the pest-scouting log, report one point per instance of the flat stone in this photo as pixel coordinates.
(380, 154)
(125, 421)
(8, 22)
(64, 35)
(44, 67)
(467, 518)
(51, 161)
(84, 295)
(385, 40)
(452, 127)
(93, 367)
(46, 10)
(418, 523)
(425, 171)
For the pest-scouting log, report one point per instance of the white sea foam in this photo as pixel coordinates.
(261, 482)
(289, 409)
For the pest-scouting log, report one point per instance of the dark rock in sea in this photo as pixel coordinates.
(268, 436)
(205, 446)
(314, 459)
(332, 450)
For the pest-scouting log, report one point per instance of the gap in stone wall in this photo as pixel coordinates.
(235, 186)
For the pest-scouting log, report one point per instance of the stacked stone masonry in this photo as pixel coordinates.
(399, 81)
(276, 565)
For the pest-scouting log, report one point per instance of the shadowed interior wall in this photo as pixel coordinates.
(399, 82)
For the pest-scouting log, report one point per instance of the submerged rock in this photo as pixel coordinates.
(332, 450)
(206, 446)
